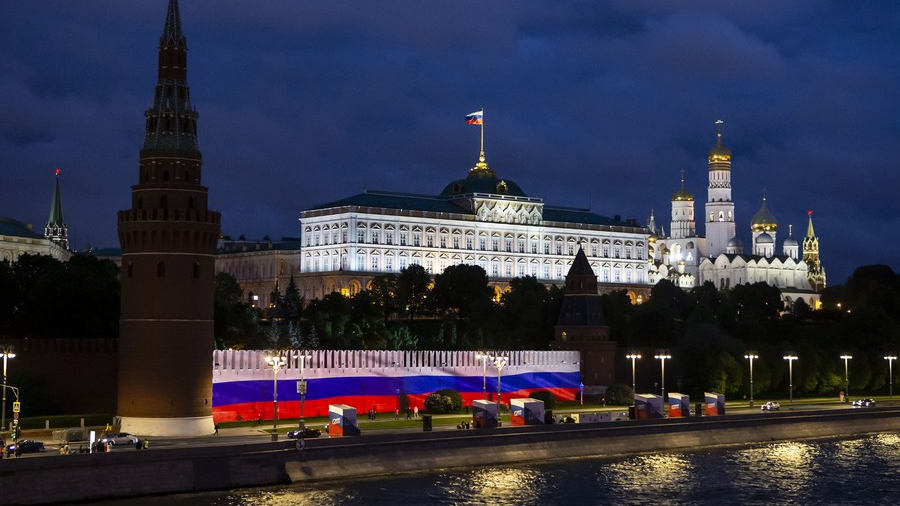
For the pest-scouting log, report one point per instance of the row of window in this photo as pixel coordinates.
(508, 244)
(493, 268)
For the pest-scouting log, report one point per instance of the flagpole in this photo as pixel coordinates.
(482, 131)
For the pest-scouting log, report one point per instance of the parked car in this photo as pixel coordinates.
(770, 406)
(25, 446)
(305, 432)
(120, 438)
(864, 403)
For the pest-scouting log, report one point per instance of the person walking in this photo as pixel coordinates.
(416, 411)
(216, 433)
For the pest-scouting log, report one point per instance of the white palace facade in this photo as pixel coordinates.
(481, 220)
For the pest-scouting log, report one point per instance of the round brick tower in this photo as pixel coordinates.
(168, 239)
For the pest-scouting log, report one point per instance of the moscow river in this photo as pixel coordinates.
(859, 470)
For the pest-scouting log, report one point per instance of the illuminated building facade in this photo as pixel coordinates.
(481, 220)
(689, 260)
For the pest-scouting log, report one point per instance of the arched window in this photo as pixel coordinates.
(196, 270)
(161, 270)
(130, 269)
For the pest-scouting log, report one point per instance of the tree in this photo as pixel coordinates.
(273, 334)
(412, 290)
(384, 292)
(459, 289)
(290, 305)
(526, 322)
(236, 321)
(294, 336)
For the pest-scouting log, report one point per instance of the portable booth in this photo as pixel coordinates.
(527, 411)
(715, 403)
(342, 420)
(484, 414)
(679, 405)
(648, 406)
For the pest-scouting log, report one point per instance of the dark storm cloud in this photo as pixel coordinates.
(594, 103)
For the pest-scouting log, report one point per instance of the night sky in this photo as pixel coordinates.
(593, 104)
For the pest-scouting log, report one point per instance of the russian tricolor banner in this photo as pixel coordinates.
(475, 118)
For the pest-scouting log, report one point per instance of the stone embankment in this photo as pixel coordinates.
(127, 474)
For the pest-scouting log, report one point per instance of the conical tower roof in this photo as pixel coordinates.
(56, 212)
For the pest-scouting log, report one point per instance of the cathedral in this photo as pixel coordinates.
(688, 259)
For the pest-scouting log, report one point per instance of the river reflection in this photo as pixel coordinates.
(861, 470)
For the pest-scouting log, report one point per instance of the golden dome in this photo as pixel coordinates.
(763, 221)
(682, 195)
(719, 153)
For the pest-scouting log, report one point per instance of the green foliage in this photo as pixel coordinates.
(546, 396)
(619, 394)
(412, 290)
(453, 395)
(236, 321)
(436, 403)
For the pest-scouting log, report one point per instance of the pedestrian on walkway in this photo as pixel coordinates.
(416, 411)
(216, 433)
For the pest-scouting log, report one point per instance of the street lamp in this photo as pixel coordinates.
(662, 361)
(750, 357)
(301, 387)
(890, 359)
(499, 362)
(633, 357)
(276, 363)
(845, 358)
(8, 351)
(790, 359)
(484, 360)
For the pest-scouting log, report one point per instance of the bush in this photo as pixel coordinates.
(620, 394)
(453, 395)
(546, 396)
(437, 403)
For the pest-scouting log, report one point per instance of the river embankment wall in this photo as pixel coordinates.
(45, 480)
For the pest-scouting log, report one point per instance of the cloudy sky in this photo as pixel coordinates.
(593, 104)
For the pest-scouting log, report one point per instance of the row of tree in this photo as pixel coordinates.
(707, 331)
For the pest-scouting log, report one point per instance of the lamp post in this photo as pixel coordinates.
(846, 358)
(302, 388)
(633, 357)
(890, 359)
(499, 362)
(484, 360)
(662, 361)
(790, 359)
(276, 363)
(8, 351)
(750, 357)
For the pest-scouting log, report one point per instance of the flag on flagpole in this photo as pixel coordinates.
(475, 118)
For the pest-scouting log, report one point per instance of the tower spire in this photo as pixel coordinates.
(172, 34)
(56, 229)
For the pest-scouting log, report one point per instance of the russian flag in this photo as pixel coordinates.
(475, 118)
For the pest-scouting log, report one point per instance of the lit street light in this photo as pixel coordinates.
(301, 387)
(751, 356)
(499, 362)
(8, 351)
(845, 358)
(276, 363)
(790, 359)
(662, 361)
(890, 359)
(633, 357)
(484, 360)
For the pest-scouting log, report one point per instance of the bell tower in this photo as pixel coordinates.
(168, 240)
(719, 206)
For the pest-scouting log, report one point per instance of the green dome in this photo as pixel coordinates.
(492, 185)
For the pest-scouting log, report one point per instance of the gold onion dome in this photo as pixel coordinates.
(763, 221)
(719, 153)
